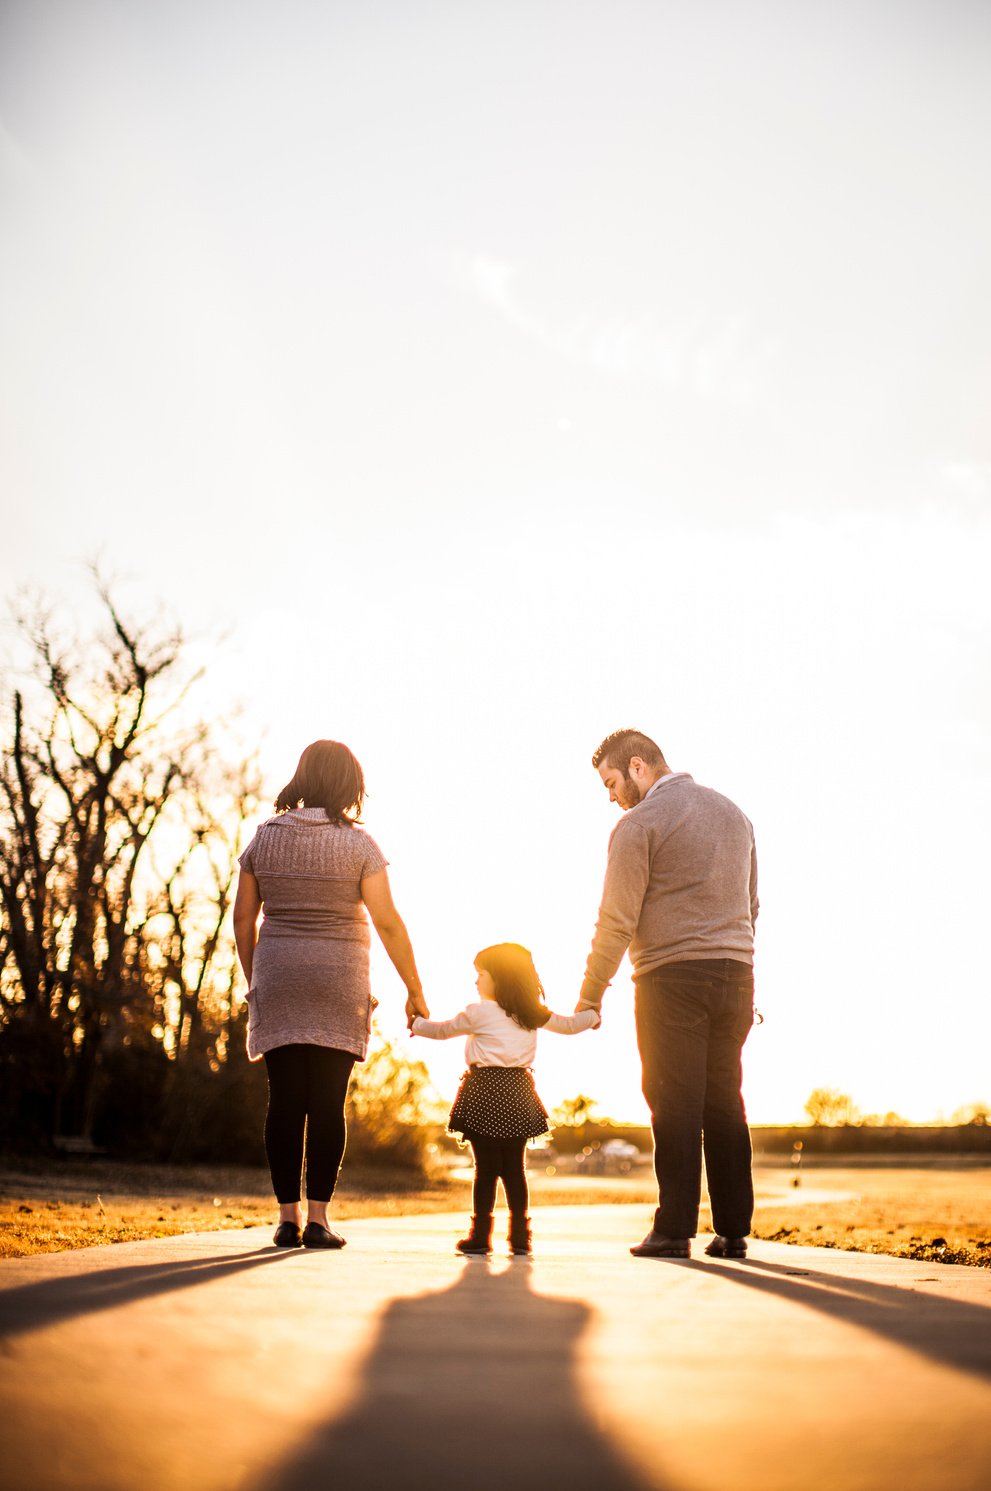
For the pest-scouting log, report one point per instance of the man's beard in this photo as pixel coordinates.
(629, 794)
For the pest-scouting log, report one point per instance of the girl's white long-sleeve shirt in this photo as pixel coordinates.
(494, 1039)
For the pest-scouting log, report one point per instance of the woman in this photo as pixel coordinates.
(309, 1002)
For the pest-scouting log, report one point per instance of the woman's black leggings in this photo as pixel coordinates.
(307, 1086)
(495, 1160)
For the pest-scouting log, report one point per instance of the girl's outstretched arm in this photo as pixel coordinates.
(574, 1024)
(442, 1030)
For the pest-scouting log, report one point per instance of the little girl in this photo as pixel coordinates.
(497, 1108)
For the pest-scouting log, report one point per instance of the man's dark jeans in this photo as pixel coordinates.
(692, 1021)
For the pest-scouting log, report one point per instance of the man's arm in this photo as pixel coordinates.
(627, 877)
(754, 902)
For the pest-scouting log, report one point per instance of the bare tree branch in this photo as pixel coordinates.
(93, 938)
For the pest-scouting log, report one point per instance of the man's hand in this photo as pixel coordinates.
(586, 1004)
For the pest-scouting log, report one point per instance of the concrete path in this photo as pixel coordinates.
(213, 1361)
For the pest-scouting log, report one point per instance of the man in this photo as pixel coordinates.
(681, 894)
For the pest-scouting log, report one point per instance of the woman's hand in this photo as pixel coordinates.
(415, 1005)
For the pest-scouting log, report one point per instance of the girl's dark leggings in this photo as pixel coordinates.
(495, 1160)
(307, 1086)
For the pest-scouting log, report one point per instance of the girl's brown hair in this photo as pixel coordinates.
(518, 989)
(327, 777)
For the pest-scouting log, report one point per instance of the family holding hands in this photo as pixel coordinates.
(680, 896)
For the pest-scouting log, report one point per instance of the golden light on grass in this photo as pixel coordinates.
(941, 1214)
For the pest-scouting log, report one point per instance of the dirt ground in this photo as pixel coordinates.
(940, 1212)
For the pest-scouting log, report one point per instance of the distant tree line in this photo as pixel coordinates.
(122, 813)
(827, 1108)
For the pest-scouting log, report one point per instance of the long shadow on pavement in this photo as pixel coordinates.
(472, 1386)
(952, 1332)
(29, 1307)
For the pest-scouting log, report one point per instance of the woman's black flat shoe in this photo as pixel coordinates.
(315, 1236)
(288, 1235)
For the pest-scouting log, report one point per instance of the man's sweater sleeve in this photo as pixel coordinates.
(627, 877)
(754, 902)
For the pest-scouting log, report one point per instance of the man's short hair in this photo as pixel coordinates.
(619, 749)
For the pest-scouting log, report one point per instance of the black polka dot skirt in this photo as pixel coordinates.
(498, 1102)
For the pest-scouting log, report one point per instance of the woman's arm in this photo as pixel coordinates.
(247, 904)
(377, 896)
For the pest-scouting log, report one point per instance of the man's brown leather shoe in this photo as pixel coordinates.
(656, 1245)
(727, 1247)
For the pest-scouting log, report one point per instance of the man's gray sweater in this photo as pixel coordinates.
(681, 884)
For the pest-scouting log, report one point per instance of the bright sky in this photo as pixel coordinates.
(496, 375)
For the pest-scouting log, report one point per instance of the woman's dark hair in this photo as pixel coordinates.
(518, 989)
(327, 777)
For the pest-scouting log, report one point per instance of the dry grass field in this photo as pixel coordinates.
(46, 1208)
(940, 1212)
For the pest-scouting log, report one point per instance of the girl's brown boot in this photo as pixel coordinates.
(479, 1239)
(520, 1240)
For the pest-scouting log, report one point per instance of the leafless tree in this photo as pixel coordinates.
(119, 833)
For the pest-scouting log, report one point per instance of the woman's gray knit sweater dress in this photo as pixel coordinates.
(309, 980)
